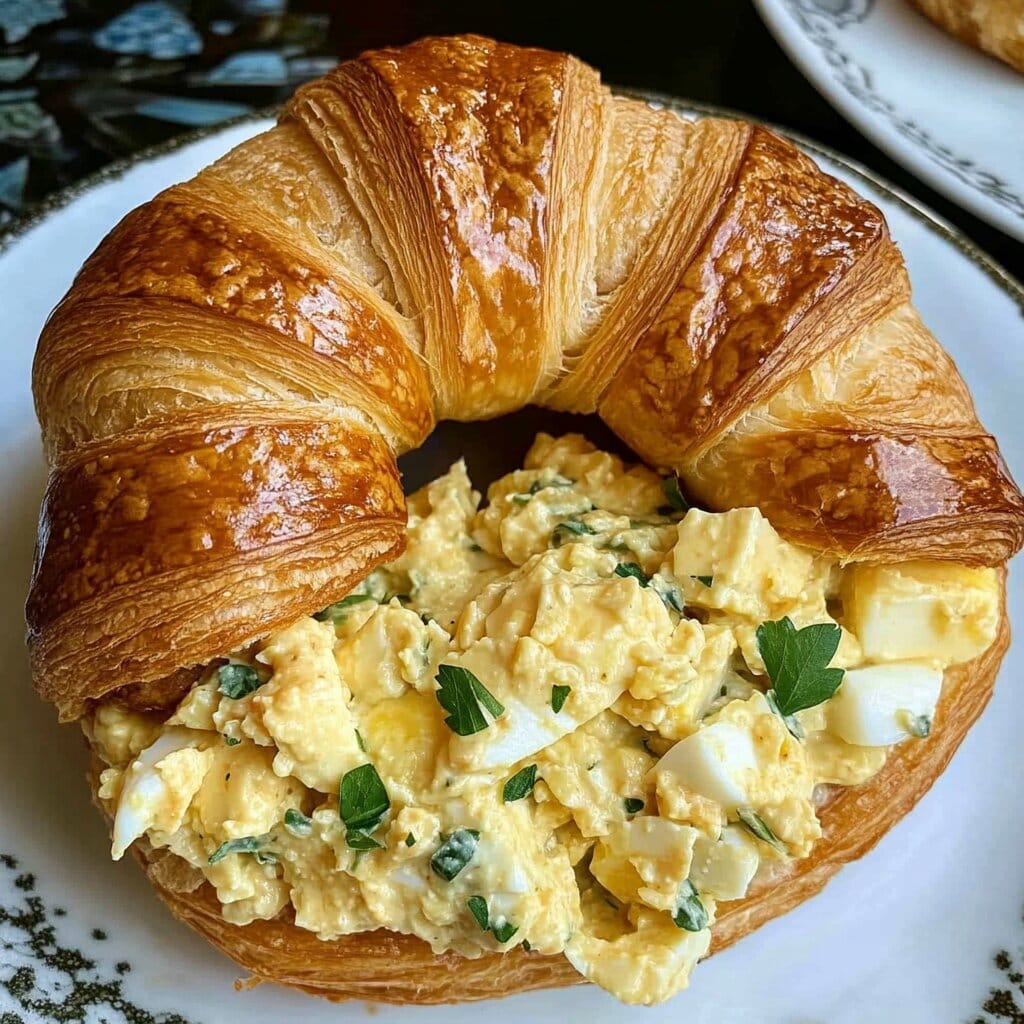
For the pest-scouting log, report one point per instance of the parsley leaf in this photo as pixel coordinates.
(232, 741)
(626, 569)
(797, 662)
(455, 853)
(634, 804)
(336, 612)
(708, 581)
(245, 844)
(362, 799)
(461, 694)
(237, 681)
(478, 908)
(297, 823)
(504, 931)
(520, 785)
(356, 839)
(755, 824)
(565, 532)
(360, 742)
(690, 913)
(558, 697)
(673, 491)
(410, 840)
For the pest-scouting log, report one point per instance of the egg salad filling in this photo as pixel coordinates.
(575, 720)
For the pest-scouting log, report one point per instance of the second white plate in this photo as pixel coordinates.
(950, 114)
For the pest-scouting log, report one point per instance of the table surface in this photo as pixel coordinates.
(70, 102)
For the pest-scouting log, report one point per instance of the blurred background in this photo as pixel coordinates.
(86, 82)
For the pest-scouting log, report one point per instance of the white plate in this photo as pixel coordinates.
(907, 935)
(949, 113)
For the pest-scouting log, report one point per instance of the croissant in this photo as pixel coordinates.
(995, 26)
(451, 230)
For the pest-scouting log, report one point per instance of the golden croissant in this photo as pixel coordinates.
(452, 230)
(995, 26)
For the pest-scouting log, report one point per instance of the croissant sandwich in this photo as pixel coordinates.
(605, 722)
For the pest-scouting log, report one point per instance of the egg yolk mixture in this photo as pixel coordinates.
(576, 719)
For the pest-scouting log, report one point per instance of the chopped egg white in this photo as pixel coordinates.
(725, 867)
(879, 705)
(715, 762)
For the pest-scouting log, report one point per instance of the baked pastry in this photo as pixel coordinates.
(995, 26)
(451, 230)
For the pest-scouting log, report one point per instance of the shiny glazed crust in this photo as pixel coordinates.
(995, 26)
(455, 229)
(387, 967)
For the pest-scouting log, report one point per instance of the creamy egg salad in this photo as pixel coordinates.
(576, 720)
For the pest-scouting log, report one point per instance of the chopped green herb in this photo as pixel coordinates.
(461, 695)
(669, 594)
(917, 725)
(356, 839)
(634, 804)
(520, 785)
(232, 741)
(237, 681)
(526, 945)
(410, 840)
(555, 481)
(797, 662)
(626, 569)
(360, 742)
(690, 913)
(755, 824)
(708, 581)
(336, 612)
(478, 908)
(245, 844)
(673, 491)
(502, 932)
(567, 531)
(297, 823)
(521, 499)
(362, 798)
(473, 546)
(558, 697)
(455, 853)
(794, 726)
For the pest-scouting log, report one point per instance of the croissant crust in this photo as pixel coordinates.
(995, 26)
